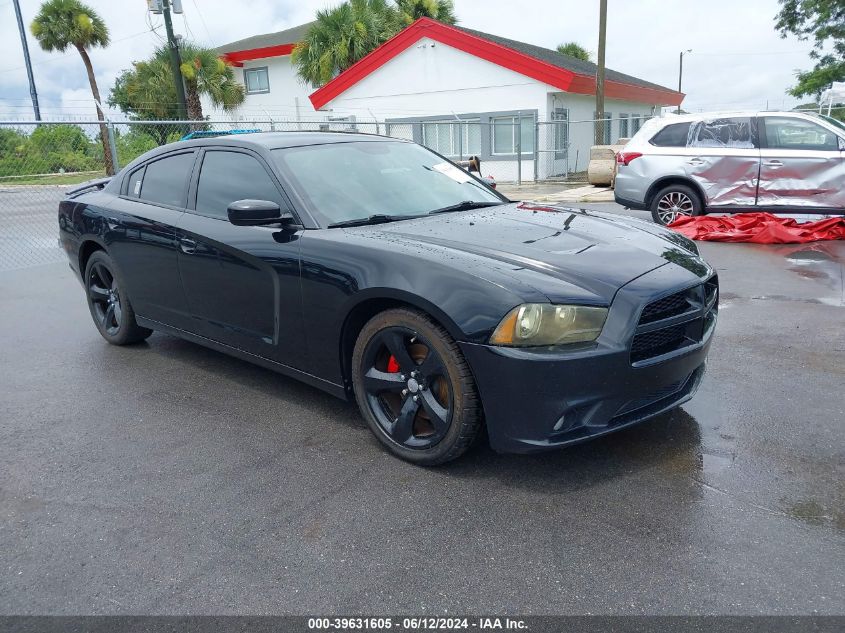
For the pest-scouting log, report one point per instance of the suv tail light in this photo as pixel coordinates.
(624, 158)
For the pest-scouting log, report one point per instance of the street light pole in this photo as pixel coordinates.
(32, 93)
(681, 74)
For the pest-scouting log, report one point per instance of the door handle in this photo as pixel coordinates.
(773, 163)
(695, 161)
(188, 247)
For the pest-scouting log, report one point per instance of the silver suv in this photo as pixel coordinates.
(737, 161)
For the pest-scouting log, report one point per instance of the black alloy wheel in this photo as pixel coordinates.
(109, 305)
(414, 388)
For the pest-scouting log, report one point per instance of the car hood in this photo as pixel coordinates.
(597, 252)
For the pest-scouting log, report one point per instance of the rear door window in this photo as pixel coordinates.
(674, 135)
(728, 133)
(133, 188)
(229, 176)
(165, 181)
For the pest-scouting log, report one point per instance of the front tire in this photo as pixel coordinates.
(673, 202)
(109, 303)
(414, 388)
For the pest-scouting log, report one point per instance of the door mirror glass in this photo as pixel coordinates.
(256, 213)
(841, 143)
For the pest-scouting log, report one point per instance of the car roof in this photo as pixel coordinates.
(281, 140)
(670, 117)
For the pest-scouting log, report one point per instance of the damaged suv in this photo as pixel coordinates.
(732, 162)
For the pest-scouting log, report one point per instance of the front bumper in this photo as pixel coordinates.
(538, 400)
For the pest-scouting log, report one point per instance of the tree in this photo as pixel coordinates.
(823, 21)
(206, 74)
(61, 24)
(146, 92)
(343, 35)
(440, 10)
(574, 49)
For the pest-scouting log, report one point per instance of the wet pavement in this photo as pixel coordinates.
(167, 478)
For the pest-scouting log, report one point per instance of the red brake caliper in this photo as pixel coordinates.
(392, 365)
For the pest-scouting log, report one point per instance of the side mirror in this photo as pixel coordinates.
(841, 142)
(257, 213)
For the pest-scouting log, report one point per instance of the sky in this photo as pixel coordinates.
(738, 61)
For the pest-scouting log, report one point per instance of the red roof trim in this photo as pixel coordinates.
(237, 58)
(490, 51)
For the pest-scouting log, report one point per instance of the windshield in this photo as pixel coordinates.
(356, 180)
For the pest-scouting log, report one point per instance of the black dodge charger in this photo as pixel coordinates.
(376, 269)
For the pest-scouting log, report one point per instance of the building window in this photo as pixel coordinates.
(623, 126)
(605, 126)
(506, 131)
(256, 80)
(636, 123)
(453, 138)
(560, 121)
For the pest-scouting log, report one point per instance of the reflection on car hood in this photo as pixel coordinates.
(597, 252)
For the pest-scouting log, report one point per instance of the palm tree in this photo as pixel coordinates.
(342, 36)
(440, 10)
(206, 74)
(574, 49)
(61, 24)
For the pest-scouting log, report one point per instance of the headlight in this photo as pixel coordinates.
(540, 324)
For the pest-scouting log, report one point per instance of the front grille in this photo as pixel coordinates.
(711, 292)
(627, 415)
(651, 398)
(657, 342)
(688, 315)
(666, 307)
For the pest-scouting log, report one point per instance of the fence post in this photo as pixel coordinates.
(113, 145)
(537, 149)
(518, 148)
(460, 140)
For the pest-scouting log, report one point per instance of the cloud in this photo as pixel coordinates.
(738, 61)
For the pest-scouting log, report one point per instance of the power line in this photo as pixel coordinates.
(55, 58)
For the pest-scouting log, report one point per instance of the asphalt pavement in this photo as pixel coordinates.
(165, 478)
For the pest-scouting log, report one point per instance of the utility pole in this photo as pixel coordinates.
(175, 62)
(599, 140)
(681, 74)
(32, 93)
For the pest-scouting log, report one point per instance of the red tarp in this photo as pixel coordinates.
(760, 228)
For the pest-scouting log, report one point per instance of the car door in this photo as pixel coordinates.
(241, 282)
(141, 236)
(723, 157)
(802, 164)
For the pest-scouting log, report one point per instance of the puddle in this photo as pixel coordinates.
(814, 513)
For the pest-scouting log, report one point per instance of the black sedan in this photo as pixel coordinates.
(376, 269)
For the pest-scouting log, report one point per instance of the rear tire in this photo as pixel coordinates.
(109, 303)
(675, 201)
(414, 388)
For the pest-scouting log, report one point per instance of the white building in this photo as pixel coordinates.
(460, 92)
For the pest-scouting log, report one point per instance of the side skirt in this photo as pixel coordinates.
(329, 387)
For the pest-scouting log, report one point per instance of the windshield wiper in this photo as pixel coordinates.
(376, 218)
(466, 205)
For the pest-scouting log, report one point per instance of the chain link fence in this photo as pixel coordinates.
(40, 161)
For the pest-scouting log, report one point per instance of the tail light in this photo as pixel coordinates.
(625, 158)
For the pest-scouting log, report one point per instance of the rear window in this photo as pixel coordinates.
(674, 135)
(166, 180)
